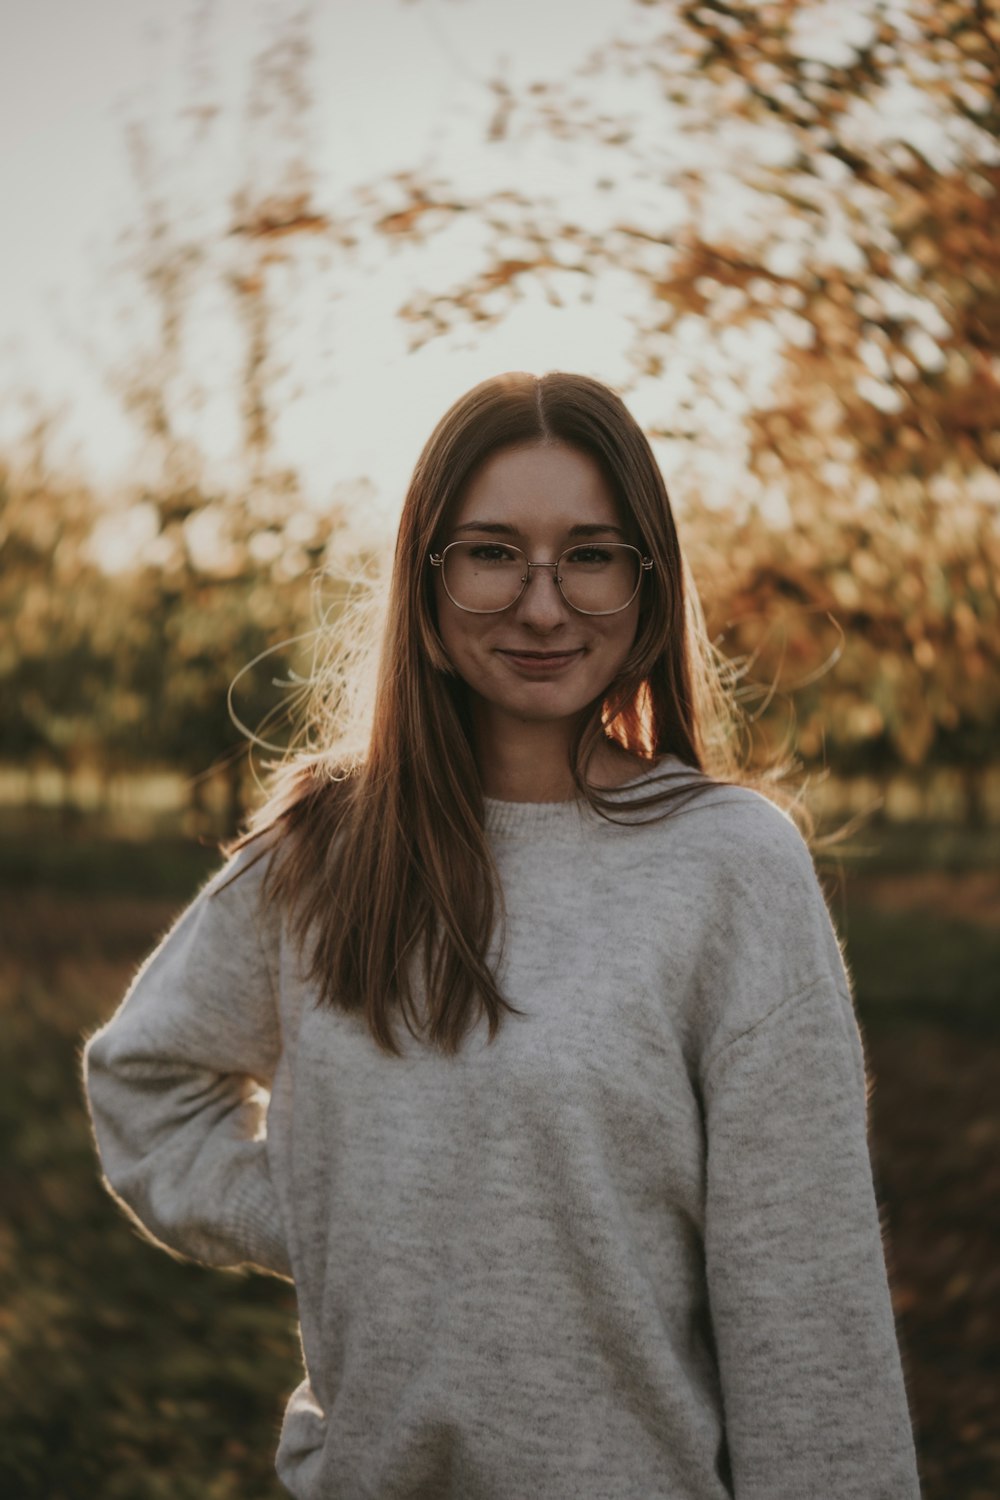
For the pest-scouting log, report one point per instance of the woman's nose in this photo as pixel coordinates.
(541, 604)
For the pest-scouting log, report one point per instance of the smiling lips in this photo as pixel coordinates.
(540, 661)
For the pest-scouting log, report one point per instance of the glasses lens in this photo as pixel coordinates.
(483, 575)
(600, 577)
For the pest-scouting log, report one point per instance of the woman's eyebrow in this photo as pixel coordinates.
(495, 528)
(500, 528)
(595, 530)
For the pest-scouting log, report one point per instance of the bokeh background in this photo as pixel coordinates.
(250, 255)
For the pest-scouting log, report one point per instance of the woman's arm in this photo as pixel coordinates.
(813, 1388)
(173, 1082)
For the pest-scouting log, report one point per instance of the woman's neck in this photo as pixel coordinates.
(530, 762)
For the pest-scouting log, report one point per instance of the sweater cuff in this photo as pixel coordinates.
(255, 1220)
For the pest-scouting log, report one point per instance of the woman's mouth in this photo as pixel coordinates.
(540, 663)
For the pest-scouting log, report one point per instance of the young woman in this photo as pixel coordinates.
(563, 1137)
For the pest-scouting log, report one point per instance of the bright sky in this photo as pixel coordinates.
(388, 78)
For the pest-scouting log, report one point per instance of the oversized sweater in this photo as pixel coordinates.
(629, 1250)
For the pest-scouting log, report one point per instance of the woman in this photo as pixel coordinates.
(565, 1148)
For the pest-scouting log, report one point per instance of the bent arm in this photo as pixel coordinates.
(174, 1085)
(813, 1387)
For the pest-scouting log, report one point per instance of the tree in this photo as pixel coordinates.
(803, 201)
(794, 207)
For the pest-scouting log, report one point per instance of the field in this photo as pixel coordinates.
(130, 1376)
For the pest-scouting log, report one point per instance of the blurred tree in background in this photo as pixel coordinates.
(799, 215)
(781, 183)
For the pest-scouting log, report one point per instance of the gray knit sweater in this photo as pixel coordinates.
(628, 1251)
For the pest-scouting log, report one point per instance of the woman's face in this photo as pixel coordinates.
(539, 659)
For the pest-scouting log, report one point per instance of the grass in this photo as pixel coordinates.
(123, 1373)
(83, 865)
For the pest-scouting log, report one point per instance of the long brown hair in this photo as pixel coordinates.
(382, 860)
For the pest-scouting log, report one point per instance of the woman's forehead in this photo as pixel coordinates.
(538, 486)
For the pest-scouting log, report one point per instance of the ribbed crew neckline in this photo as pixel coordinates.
(574, 815)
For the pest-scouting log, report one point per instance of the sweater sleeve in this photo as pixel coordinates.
(812, 1381)
(177, 1083)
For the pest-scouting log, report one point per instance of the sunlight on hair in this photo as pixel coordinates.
(329, 707)
(349, 643)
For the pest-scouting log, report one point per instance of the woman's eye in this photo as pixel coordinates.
(588, 556)
(491, 552)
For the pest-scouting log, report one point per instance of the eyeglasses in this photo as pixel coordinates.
(594, 578)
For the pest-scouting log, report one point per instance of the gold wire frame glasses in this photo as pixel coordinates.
(593, 578)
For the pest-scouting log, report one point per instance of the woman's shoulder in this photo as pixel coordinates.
(752, 894)
(751, 825)
(732, 821)
(242, 890)
(246, 860)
